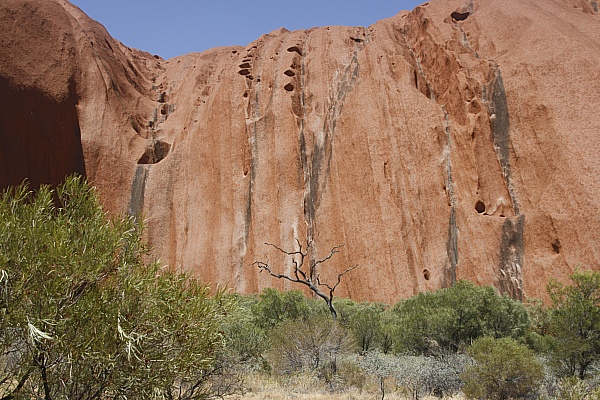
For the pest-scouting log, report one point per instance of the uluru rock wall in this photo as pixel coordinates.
(456, 141)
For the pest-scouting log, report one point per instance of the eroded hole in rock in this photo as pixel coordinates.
(244, 72)
(289, 87)
(426, 274)
(155, 153)
(246, 94)
(245, 65)
(480, 207)
(556, 246)
(250, 77)
(474, 107)
(357, 40)
(416, 78)
(294, 49)
(457, 16)
(289, 72)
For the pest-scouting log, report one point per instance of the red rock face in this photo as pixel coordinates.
(457, 141)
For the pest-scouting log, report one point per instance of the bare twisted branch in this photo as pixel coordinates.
(310, 278)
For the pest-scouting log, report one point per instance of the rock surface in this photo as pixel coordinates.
(457, 141)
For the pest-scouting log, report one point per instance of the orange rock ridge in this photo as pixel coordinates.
(457, 141)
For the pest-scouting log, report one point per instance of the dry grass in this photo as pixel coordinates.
(305, 387)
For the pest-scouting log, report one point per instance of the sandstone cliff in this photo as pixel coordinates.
(457, 141)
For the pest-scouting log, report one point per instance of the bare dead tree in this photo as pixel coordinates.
(307, 276)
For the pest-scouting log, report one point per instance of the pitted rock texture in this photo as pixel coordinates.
(457, 141)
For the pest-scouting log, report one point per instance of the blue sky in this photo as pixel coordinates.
(174, 27)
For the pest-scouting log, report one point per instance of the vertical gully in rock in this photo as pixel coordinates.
(138, 187)
(316, 170)
(449, 271)
(510, 279)
(253, 114)
(452, 243)
(156, 151)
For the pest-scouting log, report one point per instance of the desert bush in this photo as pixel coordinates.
(417, 376)
(450, 319)
(363, 320)
(572, 388)
(244, 340)
(350, 372)
(275, 307)
(504, 369)
(83, 316)
(575, 323)
(312, 344)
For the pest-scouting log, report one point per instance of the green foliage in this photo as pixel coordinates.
(450, 319)
(245, 341)
(363, 320)
(275, 307)
(84, 317)
(504, 369)
(538, 336)
(575, 323)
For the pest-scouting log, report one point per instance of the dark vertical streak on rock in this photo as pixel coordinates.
(510, 279)
(511, 257)
(253, 154)
(316, 170)
(449, 278)
(138, 189)
(452, 252)
(308, 207)
(500, 124)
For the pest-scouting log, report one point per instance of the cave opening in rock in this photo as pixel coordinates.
(155, 153)
(295, 49)
(556, 246)
(456, 16)
(480, 207)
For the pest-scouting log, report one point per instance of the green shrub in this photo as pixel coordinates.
(575, 323)
(275, 307)
(504, 369)
(245, 342)
(83, 316)
(450, 319)
(363, 321)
